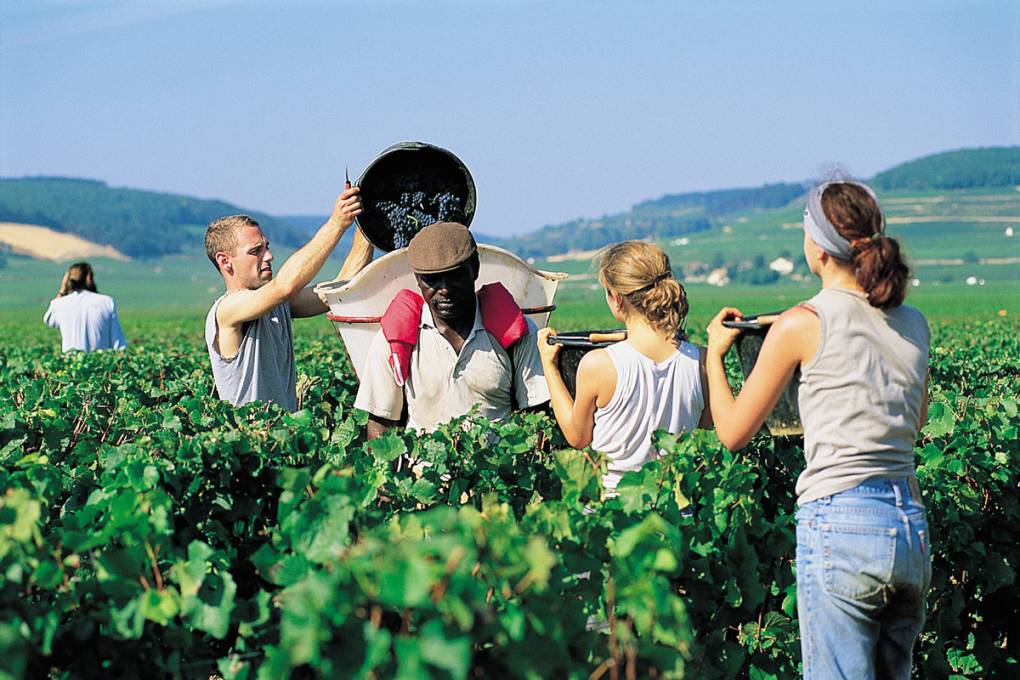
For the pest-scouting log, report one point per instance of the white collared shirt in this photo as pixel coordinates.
(87, 321)
(444, 384)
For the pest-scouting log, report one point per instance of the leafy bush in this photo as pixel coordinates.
(147, 528)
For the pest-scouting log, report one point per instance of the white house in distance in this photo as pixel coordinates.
(782, 266)
(718, 277)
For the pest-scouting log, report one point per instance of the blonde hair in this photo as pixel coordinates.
(221, 235)
(640, 273)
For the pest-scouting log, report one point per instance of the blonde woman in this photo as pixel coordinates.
(653, 380)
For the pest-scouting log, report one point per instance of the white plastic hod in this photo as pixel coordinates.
(356, 304)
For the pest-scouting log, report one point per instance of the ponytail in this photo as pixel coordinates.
(875, 257)
(664, 305)
(640, 272)
(880, 270)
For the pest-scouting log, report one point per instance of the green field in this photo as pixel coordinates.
(956, 234)
(169, 285)
(183, 287)
(148, 529)
(585, 308)
(971, 226)
(578, 308)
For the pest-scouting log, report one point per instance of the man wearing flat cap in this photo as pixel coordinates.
(466, 348)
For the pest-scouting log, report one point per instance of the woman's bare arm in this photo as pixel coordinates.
(575, 416)
(792, 340)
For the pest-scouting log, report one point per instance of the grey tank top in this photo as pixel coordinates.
(860, 396)
(263, 368)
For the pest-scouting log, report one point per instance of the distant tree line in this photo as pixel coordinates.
(9, 214)
(137, 223)
(667, 217)
(594, 234)
(964, 169)
(724, 201)
(676, 214)
(150, 224)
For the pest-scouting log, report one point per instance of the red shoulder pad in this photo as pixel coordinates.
(400, 324)
(501, 316)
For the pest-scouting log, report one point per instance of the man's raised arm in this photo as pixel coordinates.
(297, 271)
(308, 303)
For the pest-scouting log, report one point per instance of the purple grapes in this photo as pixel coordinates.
(417, 210)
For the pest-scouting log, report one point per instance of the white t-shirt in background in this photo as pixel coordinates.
(87, 321)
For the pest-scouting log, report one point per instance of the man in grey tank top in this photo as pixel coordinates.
(248, 329)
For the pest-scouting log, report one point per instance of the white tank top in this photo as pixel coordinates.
(648, 397)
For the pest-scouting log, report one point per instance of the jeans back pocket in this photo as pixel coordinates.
(858, 560)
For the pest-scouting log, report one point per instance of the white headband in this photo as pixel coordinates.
(820, 229)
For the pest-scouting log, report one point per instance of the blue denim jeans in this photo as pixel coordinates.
(863, 568)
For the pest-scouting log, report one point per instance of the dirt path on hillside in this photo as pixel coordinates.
(43, 243)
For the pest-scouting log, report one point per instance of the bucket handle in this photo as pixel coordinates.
(340, 318)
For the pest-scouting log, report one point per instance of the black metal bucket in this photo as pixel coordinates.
(575, 345)
(784, 420)
(403, 170)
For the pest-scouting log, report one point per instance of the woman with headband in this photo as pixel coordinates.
(651, 381)
(863, 563)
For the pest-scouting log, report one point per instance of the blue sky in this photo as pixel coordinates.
(560, 109)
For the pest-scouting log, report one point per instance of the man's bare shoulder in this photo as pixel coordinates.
(230, 305)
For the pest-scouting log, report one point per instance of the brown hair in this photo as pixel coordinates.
(79, 277)
(876, 259)
(640, 272)
(221, 235)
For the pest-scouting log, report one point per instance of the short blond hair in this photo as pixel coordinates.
(641, 274)
(221, 235)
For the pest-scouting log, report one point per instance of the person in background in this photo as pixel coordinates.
(87, 320)
(248, 328)
(450, 348)
(653, 380)
(863, 558)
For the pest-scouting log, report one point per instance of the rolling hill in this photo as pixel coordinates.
(684, 214)
(962, 169)
(949, 236)
(946, 206)
(954, 237)
(666, 217)
(136, 223)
